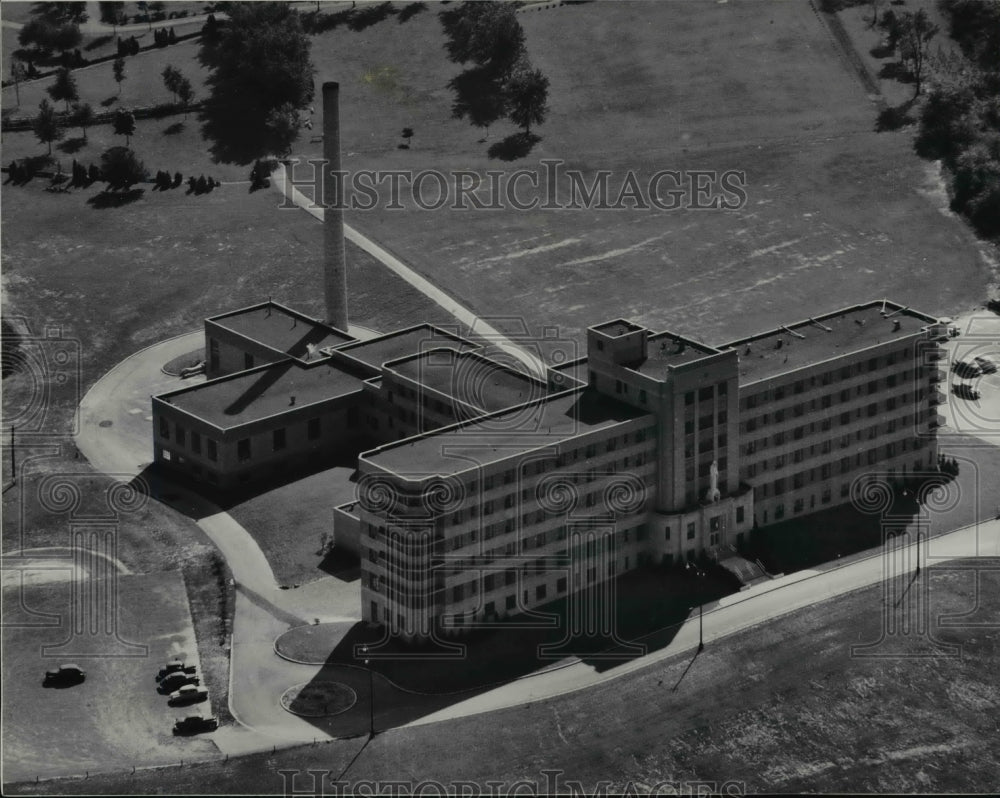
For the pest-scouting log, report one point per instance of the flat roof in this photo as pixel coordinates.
(470, 377)
(282, 329)
(669, 350)
(262, 392)
(503, 435)
(395, 345)
(617, 327)
(804, 343)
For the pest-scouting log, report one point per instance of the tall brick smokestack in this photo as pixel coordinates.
(333, 194)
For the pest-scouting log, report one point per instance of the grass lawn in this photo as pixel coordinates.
(835, 214)
(781, 707)
(291, 522)
(115, 718)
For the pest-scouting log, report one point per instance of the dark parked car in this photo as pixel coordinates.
(65, 674)
(986, 364)
(176, 680)
(175, 666)
(193, 724)
(964, 391)
(965, 369)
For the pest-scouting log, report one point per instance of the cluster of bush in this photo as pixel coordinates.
(81, 175)
(960, 122)
(129, 46)
(20, 172)
(948, 465)
(164, 36)
(164, 181)
(202, 184)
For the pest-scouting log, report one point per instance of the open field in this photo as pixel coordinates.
(115, 718)
(797, 712)
(835, 213)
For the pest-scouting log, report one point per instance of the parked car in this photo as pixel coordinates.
(987, 365)
(193, 724)
(188, 694)
(65, 675)
(175, 666)
(963, 368)
(965, 391)
(176, 680)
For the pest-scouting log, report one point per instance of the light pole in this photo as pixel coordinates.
(701, 614)
(371, 696)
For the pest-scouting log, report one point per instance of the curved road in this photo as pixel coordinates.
(263, 611)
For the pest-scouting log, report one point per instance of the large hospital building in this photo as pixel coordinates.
(485, 491)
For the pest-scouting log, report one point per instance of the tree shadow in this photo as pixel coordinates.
(882, 50)
(173, 129)
(114, 199)
(410, 11)
(372, 15)
(316, 22)
(895, 70)
(73, 145)
(894, 117)
(514, 146)
(100, 41)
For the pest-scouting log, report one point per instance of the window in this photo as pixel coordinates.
(164, 428)
(715, 523)
(195, 442)
(561, 585)
(689, 398)
(213, 354)
(690, 531)
(213, 449)
(739, 515)
(600, 346)
(540, 593)
(278, 439)
(180, 436)
(511, 602)
(666, 533)
(642, 395)
(243, 450)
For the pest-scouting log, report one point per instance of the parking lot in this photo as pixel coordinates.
(972, 404)
(115, 719)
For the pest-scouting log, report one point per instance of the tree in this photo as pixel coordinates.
(64, 87)
(527, 98)
(118, 68)
(171, 79)
(124, 124)
(82, 117)
(479, 96)
(487, 34)
(282, 126)
(17, 74)
(915, 34)
(46, 34)
(121, 169)
(185, 93)
(258, 63)
(111, 14)
(875, 4)
(47, 124)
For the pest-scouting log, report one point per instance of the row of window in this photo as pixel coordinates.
(845, 466)
(874, 364)
(244, 450)
(825, 447)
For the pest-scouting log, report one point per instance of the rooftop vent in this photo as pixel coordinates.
(896, 324)
(780, 343)
(291, 401)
